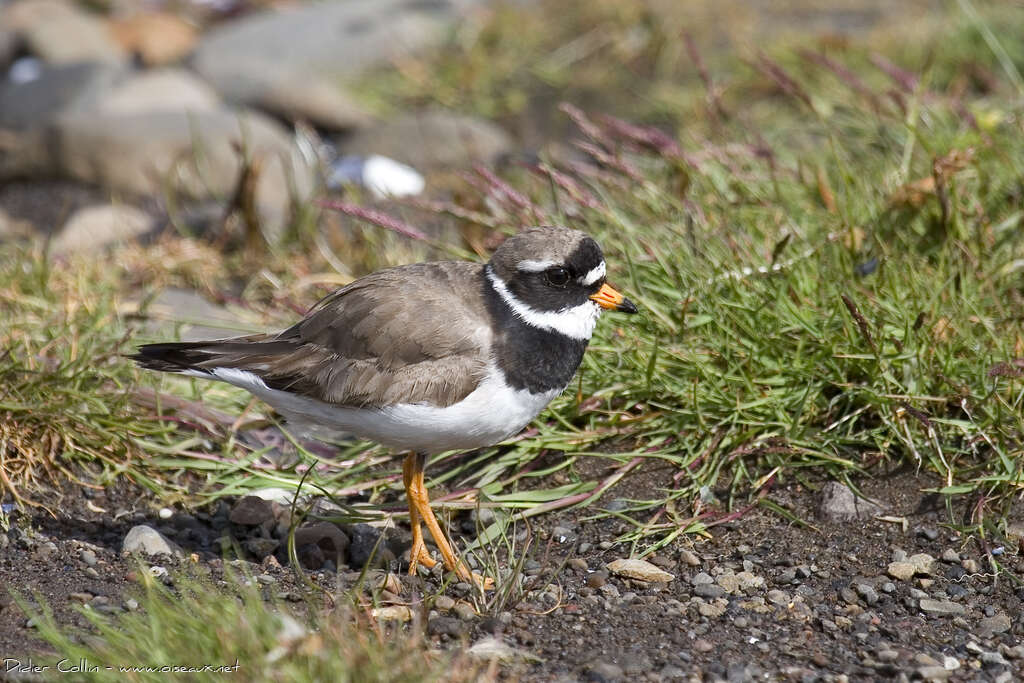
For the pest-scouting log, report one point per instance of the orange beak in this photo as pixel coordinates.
(609, 298)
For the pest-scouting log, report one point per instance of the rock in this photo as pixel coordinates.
(317, 45)
(867, 592)
(147, 540)
(950, 555)
(59, 32)
(839, 503)
(603, 672)
(88, 557)
(173, 90)
(364, 540)
(690, 558)
(639, 569)
(165, 513)
(941, 607)
(444, 603)
(933, 673)
(463, 610)
(253, 511)
(331, 539)
(393, 613)
(777, 597)
(58, 90)
(708, 591)
(712, 609)
(903, 571)
(142, 152)
(923, 563)
(156, 38)
(13, 228)
(319, 102)
(191, 317)
(492, 648)
(577, 563)
(989, 626)
(261, 547)
(431, 139)
(446, 626)
(94, 227)
(703, 645)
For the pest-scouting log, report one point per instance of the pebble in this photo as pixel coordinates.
(577, 563)
(933, 673)
(903, 571)
(146, 539)
(91, 573)
(165, 513)
(867, 592)
(702, 645)
(445, 626)
(777, 597)
(640, 570)
(585, 547)
(252, 511)
(464, 611)
(950, 555)
(942, 607)
(131, 604)
(715, 609)
(689, 558)
(701, 577)
(88, 557)
(991, 659)
(970, 566)
(708, 590)
(444, 603)
(604, 672)
(597, 579)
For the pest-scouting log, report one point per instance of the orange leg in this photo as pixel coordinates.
(420, 510)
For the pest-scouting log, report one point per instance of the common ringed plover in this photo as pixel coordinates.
(428, 357)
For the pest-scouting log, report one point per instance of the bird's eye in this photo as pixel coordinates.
(557, 276)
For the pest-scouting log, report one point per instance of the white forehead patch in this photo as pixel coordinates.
(595, 274)
(534, 266)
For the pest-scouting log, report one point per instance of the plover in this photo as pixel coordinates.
(428, 357)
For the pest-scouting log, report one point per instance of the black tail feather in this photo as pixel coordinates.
(173, 357)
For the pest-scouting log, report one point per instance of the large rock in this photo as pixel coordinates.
(431, 139)
(174, 90)
(320, 46)
(95, 227)
(58, 90)
(196, 154)
(58, 32)
(156, 38)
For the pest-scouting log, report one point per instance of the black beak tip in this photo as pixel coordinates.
(627, 306)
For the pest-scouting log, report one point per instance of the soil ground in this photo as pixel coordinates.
(762, 598)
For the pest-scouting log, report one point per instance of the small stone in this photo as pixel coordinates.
(701, 577)
(887, 655)
(888, 587)
(689, 558)
(464, 610)
(970, 565)
(88, 557)
(597, 579)
(585, 547)
(91, 573)
(702, 645)
(839, 503)
(146, 539)
(867, 592)
(709, 591)
(577, 563)
(604, 672)
(561, 534)
(923, 563)
(639, 569)
(446, 626)
(950, 555)
(165, 513)
(989, 626)
(94, 227)
(444, 603)
(941, 607)
(902, 571)
(930, 533)
(393, 613)
(81, 597)
(131, 604)
(992, 659)
(777, 597)
(261, 547)
(712, 610)
(252, 511)
(933, 673)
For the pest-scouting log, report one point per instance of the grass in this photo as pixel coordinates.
(825, 247)
(234, 631)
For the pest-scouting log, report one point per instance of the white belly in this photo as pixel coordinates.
(491, 413)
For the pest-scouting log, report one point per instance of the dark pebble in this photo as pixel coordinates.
(446, 626)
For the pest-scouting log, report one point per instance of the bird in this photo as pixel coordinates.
(426, 358)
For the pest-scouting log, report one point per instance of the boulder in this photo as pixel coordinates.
(95, 227)
(431, 139)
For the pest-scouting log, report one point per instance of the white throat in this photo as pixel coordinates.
(576, 322)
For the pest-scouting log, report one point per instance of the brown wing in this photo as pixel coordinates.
(402, 335)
